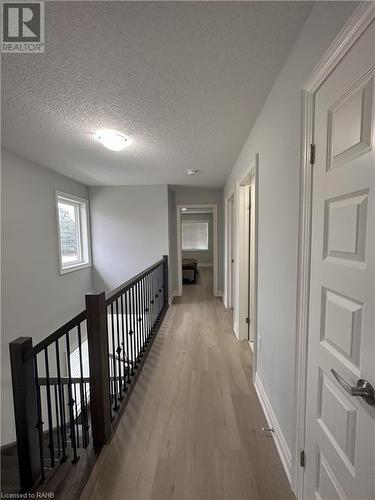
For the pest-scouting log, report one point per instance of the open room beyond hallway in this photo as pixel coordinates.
(194, 416)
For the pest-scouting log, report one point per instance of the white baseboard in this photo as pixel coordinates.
(281, 445)
(172, 296)
(204, 264)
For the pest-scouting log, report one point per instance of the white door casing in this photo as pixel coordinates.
(340, 428)
(252, 287)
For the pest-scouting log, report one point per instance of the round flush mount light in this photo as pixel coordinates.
(115, 141)
(192, 172)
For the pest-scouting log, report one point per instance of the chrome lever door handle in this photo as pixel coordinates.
(363, 389)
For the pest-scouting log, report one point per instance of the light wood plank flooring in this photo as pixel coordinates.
(192, 429)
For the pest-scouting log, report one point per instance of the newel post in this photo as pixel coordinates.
(99, 368)
(25, 411)
(166, 285)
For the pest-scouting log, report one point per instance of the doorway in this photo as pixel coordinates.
(196, 243)
(247, 261)
(335, 419)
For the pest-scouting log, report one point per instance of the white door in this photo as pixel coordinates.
(340, 428)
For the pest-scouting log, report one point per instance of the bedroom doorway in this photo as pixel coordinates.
(196, 244)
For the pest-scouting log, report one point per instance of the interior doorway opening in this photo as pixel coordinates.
(247, 251)
(196, 244)
(245, 258)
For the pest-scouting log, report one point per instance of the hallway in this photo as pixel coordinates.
(192, 428)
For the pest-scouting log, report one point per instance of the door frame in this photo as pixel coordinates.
(230, 226)
(179, 243)
(362, 16)
(250, 176)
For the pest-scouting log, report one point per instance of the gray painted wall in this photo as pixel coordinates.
(129, 227)
(276, 137)
(202, 256)
(180, 195)
(36, 300)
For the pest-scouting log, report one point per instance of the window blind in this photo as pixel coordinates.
(194, 235)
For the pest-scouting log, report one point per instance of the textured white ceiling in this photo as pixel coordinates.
(184, 80)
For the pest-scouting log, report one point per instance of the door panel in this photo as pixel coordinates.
(340, 428)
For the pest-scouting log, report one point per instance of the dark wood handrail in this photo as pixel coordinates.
(117, 292)
(114, 294)
(63, 330)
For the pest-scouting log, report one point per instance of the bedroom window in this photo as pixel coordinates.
(73, 232)
(194, 235)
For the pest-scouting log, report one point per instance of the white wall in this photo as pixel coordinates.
(129, 227)
(36, 300)
(276, 137)
(180, 195)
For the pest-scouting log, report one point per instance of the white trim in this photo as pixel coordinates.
(228, 220)
(214, 240)
(280, 441)
(84, 228)
(353, 29)
(205, 264)
(251, 175)
(172, 295)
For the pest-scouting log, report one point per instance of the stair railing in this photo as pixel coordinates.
(71, 387)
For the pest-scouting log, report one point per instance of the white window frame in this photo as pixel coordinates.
(84, 234)
(208, 235)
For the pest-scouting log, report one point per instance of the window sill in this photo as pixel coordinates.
(195, 250)
(76, 267)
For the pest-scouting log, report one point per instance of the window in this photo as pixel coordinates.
(73, 231)
(194, 235)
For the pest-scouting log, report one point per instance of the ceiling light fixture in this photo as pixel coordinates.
(192, 172)
(115, 141)
(183, 209)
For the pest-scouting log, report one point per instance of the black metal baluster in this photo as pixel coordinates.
(152, 301)
(84, 425)
(115, 405)
(134, 329)
(155, 296)
(143, 311)
(140, 317)
(110, 364)
(139, 350)
(129, 351)
(76, 413)
(49, 410)
(71, 402)
(39, 424)
(62, 405)
(161, 287)
(118, 351)
(157, 292)
(147, 309)
(139, 312)
(124, 352)
(57, 421)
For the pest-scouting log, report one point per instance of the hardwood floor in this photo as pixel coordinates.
(192, 429)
